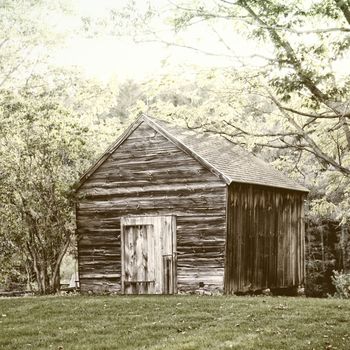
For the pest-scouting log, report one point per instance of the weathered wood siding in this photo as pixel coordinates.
(148, 254)
(149, 175)
(265, 238)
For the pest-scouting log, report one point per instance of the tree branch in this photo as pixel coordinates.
(345, 9)
(306, 80)
(317, 151)
(316, 116)
(168, 43)
(261, 135)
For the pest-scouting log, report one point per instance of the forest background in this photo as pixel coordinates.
(271, 76)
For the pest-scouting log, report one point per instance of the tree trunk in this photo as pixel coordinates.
(55, 282)
(29, 277)
(322, 251)
(344, 259)
(55, 274)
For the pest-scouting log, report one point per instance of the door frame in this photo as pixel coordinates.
(156, 221)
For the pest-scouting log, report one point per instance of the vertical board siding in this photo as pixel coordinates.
(146, 243)
(148, 175)
(265, 238)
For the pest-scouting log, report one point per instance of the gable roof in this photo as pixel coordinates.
(228, 161)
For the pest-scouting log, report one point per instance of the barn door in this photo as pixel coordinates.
(148, 255)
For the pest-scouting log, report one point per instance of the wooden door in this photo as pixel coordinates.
(148, 255)
(139, 267)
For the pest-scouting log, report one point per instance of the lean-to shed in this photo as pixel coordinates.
(167, 209)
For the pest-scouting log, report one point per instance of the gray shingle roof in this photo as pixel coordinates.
(232, 161)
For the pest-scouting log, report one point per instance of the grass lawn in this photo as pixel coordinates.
(173, 322)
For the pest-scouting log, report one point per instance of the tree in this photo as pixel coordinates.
(291, 81)
(299, 77)
(208, 101)
(308, 124)
(49, 134)
(27, 33)
(49, 118)
(128, 94)
(42, 149)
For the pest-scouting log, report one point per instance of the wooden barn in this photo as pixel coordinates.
(168, 210)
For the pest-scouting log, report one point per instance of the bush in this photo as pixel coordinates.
(318, 279)
(341, 282)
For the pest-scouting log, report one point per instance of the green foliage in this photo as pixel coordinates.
(48, 136)
(290, 107)
(42, 150)
(326, 250)
(27, 34)
(341, 283)
(309, 123)
(318, 283)
(207, 100)
(50, 131)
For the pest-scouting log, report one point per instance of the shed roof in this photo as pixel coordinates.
(231, 162)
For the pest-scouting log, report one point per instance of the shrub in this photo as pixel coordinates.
(318, 279)
(341, 282)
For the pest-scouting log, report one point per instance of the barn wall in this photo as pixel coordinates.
(149, 175)
(265, 241)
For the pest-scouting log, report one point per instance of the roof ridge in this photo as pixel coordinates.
(289, 182)
(230, 162)
(194, 154)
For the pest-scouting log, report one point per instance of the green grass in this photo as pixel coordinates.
(173, 322)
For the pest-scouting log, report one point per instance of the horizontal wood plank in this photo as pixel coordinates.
(149, 175)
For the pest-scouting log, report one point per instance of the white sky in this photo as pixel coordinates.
(111, 57)
(119, 58)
